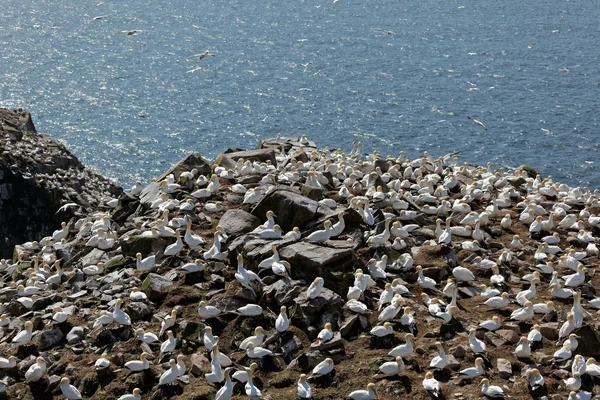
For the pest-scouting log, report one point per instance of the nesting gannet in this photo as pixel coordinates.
(24, 336)
(491, 324)
(326, 334)
(169, 375)
(267, 262)
(253, 351)
(146, 264)
(592, 368)
(403, 350)
(304, 389)
(562, 354)
(439, 361)
(423, 281)
(523, 314)
(120, 316)
(498, 302)
(432, 385)
(105, 318)
(250, 310)
(567, 327)
(102, 363)
(226, 391)
(323, 368)
(282, 323)
(207, 311)
(271, 234)
(369, 393)
(321, 235)
(523, 349)
(11, 362)
(135, 395)
(381, 331)
(476, 345)
(168, 345)
(146, 337)
(579, 366)
(360, 308)
(315, 288)
(36, 371)
(257, 339)
(472, 372)
(138, 365)
(251, 390)
(573, 383)
(69, 391)
(208, 339)
(492, 391)
(59, 315)
(571, 343)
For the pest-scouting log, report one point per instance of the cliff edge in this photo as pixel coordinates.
(38, 176)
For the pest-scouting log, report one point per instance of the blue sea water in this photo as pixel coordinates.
(395, 74)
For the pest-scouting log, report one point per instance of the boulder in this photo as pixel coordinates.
(549, 330)
(291, 208)
(141, 244)
(510, 336)
(281, 292)
(189, 162)
(494, 339)
(50, 339)
(308, 261)
(236, 222)
(589, 342)
(93, 257)
(504, 368)
(138, 311)
(156, 286)
(228, 160)
(75, 335)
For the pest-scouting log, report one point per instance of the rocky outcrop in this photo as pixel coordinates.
(38, 176)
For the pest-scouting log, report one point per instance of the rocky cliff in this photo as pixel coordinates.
(38, 176)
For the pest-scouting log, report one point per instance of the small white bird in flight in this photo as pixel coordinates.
(201, 55)
(66, 206)
(478, 122)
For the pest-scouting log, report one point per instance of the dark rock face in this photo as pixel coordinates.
(37, 176)
(291, 208)
(238, 222)
(310, 261)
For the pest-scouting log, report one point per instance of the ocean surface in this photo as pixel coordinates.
(394, 74)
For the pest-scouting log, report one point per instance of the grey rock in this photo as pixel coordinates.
(50, 339)
(494, 339)
(542, 358)
(335, 266)
(141, 244)
(200, 364)
(510, 336)
(156, 286)
(589, 342)
(504, 368)
(139, 311)
(336, 341)
(93, 257)
(75, 335)
(236, 222)
(282, 292)
(549, 330)
(291, 208)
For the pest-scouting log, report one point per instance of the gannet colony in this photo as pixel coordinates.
(295, 272)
